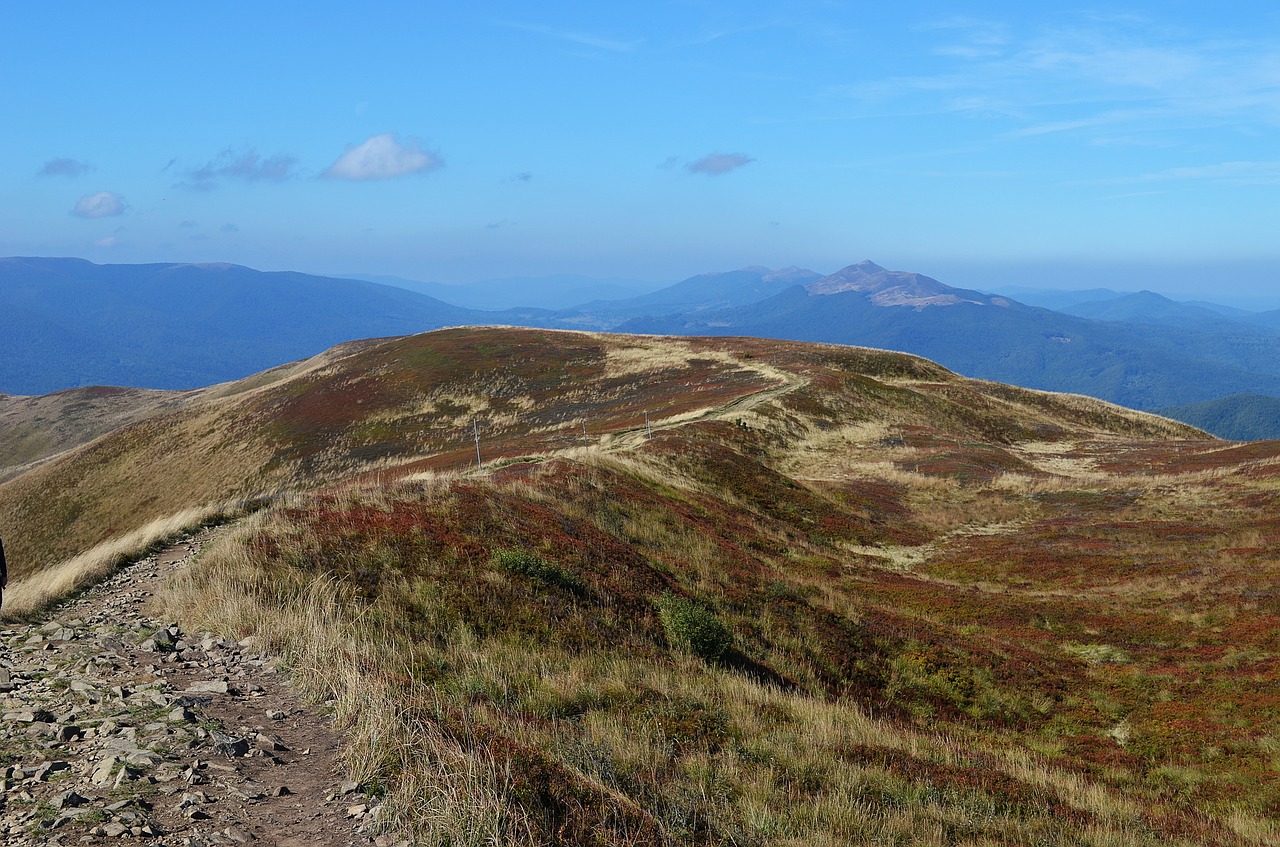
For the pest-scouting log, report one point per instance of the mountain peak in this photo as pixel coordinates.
(897, 288)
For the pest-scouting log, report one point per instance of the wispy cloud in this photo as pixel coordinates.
(64, 167)
(1081, 75)
(383, 157)
(970, 38)
(523, 176)
(102, 204)
(585, 39)
(107, 241)
(1230, 173)
(715, 164)
(246, 165)
(228, 228)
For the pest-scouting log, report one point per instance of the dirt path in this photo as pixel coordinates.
(118, 728)
(629, 439)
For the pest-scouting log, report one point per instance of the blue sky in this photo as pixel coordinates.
(1037, 144)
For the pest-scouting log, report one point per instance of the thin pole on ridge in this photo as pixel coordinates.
(647, 428)
(475, 430)
(585, 443)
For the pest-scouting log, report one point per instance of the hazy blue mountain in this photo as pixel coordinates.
(1267, 320)
(1147, 307)
(990, 337)
(1240, 417)
(68, 322)
(559, 291)
(1227, 311)
(1057, 298)
(696, 294)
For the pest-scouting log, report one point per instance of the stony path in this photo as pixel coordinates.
(118, 728)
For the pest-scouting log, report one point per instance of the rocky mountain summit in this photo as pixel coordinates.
(119, 727)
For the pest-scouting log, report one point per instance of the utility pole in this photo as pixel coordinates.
(647, 428)
(475, 430)
(584, 433)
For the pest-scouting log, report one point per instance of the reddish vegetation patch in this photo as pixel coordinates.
(1176, 457)
(549, 384)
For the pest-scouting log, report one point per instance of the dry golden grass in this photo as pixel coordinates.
(448, 794)
(783, 773)
(31, 594)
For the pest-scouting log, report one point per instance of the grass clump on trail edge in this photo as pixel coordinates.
(694, 627)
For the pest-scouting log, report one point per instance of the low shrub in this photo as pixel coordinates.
(533, 566)
(694, 627)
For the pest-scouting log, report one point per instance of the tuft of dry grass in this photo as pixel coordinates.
(31, 594)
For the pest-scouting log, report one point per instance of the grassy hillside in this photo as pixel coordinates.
(840, 596)
(34, 428)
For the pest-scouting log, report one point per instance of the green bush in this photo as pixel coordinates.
(533, 566)
(693, 626)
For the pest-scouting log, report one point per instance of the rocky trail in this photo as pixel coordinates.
(120, 728)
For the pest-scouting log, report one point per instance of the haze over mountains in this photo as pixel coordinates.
(68, 322)
(561, 291)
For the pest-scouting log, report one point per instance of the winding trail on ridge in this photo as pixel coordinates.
(117, 727)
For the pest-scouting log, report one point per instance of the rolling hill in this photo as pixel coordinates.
(32, 429)
(835, 595)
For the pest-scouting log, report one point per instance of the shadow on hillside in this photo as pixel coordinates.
(739, 661)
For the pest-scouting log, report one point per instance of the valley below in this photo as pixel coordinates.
(560, 587)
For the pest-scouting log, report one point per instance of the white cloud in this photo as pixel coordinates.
(383, 157)
(103, 204)
(714, 164)
(107, 241)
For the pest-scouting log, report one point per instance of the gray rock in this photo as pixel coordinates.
(213, 686)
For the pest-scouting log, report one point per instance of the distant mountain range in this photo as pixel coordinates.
(1240, 417)
(559, 291)
(68, 322)
(1142, 365)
